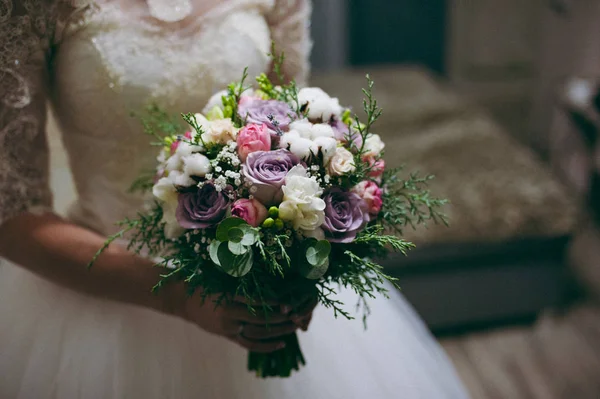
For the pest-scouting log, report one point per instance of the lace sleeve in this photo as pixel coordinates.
(24, 42)
(290, 31)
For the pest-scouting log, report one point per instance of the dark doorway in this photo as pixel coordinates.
(398, 32)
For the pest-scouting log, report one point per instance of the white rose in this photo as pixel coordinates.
(328, 146)
(165, 190)
(215, 101)
(202, 122)
(321, 130)
(220, 131)
(342, 162)
(196, 165)
(172, 227)
(373, 146)
(302, 204)
(320, 105)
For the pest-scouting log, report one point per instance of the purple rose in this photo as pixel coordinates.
(276, 115)
(340, 131)
(345, 215)
(265, 173)
(202, 209)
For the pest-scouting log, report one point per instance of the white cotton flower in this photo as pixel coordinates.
(342, 162)
(302, 204)
(196, 165)
(175, 162)
(185, 149)
(303, 148)
(181, 179)
(320, 105)
(321, 130)
(215, 101)
(328, 146)
(373, 146)
(165, 190)
(303, 127)
(220, 131)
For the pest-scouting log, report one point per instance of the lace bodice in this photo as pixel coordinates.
(97, 62)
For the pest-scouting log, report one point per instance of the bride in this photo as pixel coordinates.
(69, 333)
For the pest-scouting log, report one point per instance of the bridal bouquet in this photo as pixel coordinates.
(276, 193)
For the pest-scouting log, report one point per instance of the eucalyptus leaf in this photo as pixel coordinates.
(237, 248)
(318, 253)
(250, 235)
(236, 265)
(213, 250)
(314, 272)
(235, 235)
(226, 225)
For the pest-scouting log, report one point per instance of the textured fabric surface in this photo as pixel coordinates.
(499, 190)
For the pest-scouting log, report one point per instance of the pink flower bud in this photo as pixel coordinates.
(252, 211)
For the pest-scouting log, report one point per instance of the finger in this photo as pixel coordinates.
(264, 332)
(239, 312)
(306, 309)
(306, 322)
(258, 346)
(231, 327)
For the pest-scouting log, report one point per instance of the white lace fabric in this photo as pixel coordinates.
(33, 31)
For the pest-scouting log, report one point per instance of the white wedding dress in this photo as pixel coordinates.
(95, 63)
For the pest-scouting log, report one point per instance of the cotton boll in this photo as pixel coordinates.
(320, 105)
(303, 148)
(286, 139)
(181, 179)
(328, 146)
(321, 130)
(303, 127)
(174, 163)
(186, 149)
(196, 165)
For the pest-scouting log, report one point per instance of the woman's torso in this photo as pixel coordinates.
(116, 62)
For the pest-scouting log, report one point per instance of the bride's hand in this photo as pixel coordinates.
(254, 332)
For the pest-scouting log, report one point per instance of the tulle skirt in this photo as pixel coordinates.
(55, 343)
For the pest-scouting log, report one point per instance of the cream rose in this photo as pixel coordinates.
(342, 162)
(220, 131)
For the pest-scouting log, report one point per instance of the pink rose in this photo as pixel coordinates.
(371, 193)
(253, 138)
(377, 168)
(250, 210)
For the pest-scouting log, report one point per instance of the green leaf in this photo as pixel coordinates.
(226, 225)
(213, 251)
(250, 235)
(235, 235)
(314, 272)
(237, 248)
(318, 253)
(235, 265)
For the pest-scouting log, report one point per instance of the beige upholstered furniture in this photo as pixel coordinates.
(502, 256)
